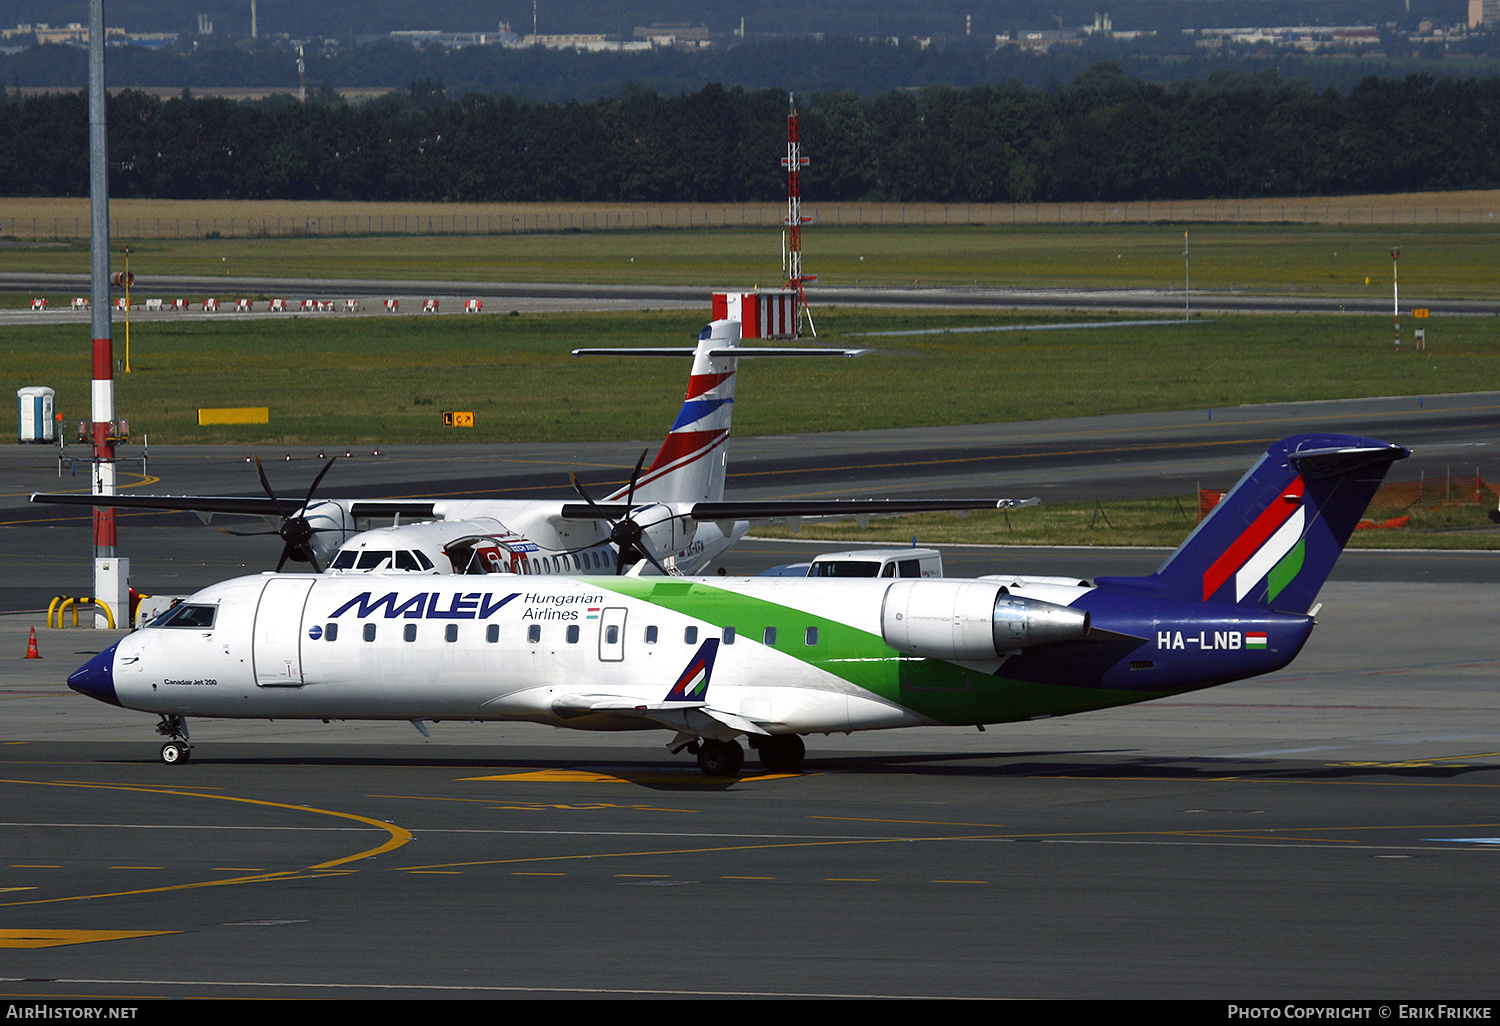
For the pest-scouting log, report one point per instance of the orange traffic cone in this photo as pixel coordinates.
(31, 652)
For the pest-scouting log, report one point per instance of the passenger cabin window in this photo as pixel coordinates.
(183, 614)
(533, 633)
(331, 632)
(572, 634)
(810, 636)
(410, 632)
(450, 632)
(651, 635)
(492, 633)
(729, 635)
(369, 632)
(612, 634)
(690, 636)
(768, 636)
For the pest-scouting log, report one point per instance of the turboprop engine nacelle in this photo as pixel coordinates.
(667, 532)
(972, 620)
(329, 524)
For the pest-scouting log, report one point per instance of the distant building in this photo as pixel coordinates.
(673, 35)
(583, 41)
(74, 34)
(1484, 13)
(456, 40)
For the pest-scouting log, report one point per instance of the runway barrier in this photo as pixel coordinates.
(60, 605)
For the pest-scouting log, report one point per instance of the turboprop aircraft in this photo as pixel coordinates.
(671, 512)
(770, 659)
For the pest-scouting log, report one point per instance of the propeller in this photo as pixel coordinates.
(627, 536)
(295, 531)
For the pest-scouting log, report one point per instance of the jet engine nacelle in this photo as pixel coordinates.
(972, 620)
(662, 528)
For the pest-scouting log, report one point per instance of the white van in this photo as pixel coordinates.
(908, 562)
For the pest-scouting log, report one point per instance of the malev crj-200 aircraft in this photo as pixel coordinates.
(672, 513)
(767, 659)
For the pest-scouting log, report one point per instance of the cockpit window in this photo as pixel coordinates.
(187, 615)
(344, 560)
(373, 559)
(406, 560)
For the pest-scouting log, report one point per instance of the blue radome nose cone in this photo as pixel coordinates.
(96, 678)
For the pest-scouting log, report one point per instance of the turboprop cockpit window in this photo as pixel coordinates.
(194, 617)
(344, 561)
(373, 559)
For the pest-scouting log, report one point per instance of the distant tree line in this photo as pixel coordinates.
(1106, 136)
(801, 64)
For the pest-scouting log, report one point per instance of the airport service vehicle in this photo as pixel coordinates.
(768, 659)
(672, 514)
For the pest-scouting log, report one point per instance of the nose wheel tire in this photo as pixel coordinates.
(174, 752)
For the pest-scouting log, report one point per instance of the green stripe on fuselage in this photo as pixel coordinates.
(939, 690)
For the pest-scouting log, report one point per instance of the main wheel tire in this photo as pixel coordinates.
(173, 753)
(782, 753)
(721, 758)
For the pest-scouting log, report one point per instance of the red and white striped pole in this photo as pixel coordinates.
(794, 162)
(110, 573)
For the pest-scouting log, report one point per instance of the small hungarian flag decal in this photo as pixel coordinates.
(1255, 639)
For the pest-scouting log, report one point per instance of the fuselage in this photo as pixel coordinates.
(784, 654)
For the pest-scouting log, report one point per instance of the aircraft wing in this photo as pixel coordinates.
(800, 509)
(250, 505)
(256, 506)
(695, 717)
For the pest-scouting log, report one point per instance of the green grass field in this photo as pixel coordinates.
(1436, 263)
(334, 380)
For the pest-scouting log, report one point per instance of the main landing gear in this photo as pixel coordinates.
(179, 749)
(779, 753)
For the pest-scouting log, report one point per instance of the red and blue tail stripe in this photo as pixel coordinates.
(690, 465)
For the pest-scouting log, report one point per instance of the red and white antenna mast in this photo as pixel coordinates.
(794, 162)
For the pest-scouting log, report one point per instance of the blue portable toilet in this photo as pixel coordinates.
(36, 414)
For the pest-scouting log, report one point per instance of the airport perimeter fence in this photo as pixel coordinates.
(230, 219)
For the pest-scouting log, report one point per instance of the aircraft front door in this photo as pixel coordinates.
(277, 652)
(612, 635)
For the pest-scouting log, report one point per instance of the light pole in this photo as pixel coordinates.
(1187, 279)
(1396, 295)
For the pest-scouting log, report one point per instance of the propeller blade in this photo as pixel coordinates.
(634, 477)
(267, 486)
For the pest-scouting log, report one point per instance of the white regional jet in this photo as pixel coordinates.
(771, 658)
(672, 513)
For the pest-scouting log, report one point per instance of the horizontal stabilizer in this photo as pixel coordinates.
(776, 509)
(736, 352)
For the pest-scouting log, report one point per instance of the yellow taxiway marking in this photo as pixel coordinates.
(58, 938)
(595, 777)
(398, 837)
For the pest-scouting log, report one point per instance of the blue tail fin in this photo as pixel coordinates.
(1272, 541)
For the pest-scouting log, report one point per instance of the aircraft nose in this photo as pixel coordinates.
(96, 678)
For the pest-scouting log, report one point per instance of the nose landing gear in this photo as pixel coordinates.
(179, 749)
